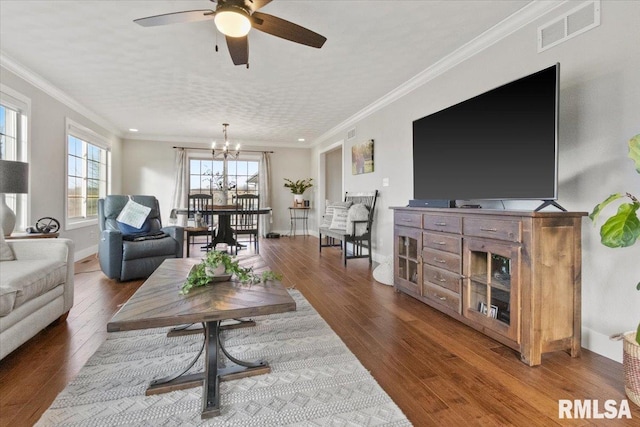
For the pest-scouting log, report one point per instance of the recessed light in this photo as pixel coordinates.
(300, 139)
(133, 130)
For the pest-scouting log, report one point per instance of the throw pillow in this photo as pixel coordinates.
(128, 230)
(339, 220)
(357, 212)
(133, 214)
(327, 218)
(6, 254)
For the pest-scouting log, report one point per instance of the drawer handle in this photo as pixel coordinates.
(440, 261)
(489, 229)
(406, 219)
(441, 298)
(441, 243)
(441, 224)
(442, 280)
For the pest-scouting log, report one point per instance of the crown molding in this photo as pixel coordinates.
(132, 136)
(47, 87)
(506, 27)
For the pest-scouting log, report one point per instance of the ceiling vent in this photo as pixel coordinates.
(576, 21)
(351, 133)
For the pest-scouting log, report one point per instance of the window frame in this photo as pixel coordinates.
(88, 137)
(21, 104)
(244, 157)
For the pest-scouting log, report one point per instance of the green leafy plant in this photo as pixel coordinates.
(622, 229)
(299, 186)
(200, 275)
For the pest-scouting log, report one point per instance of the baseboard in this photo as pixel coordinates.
(83, 253)
(602, 344)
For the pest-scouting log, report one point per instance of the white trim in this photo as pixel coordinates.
(84, 133)
(84, 253)
(47, 87)
(80, 223)
(91, 137)
(16, 100)
(207, 141)
(601, 344)
(509, 25)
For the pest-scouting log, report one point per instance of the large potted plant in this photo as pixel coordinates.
(298, 188)
(619, 231)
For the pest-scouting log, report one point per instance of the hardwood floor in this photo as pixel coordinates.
(439, 371)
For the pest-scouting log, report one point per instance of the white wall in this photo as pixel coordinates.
(333, 175)
(599, 112)
(46, 157)
(149, 168)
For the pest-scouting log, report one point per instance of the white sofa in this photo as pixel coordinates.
(36, 288)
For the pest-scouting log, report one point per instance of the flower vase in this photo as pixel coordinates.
(298, 200)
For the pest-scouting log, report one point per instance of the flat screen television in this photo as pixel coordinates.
(499, 145)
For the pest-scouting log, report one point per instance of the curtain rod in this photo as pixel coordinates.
(209, 149)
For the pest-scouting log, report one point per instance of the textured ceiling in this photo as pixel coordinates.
(169, 82)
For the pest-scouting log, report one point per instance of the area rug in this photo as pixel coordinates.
(315, 380)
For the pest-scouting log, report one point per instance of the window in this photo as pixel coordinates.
(207, 176)
(87, 174)
(14, 117)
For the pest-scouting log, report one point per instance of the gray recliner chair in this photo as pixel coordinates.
(125, 256)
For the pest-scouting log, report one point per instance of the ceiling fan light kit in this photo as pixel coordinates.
(232, 21)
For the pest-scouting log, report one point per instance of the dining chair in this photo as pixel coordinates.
(245, 221)
(199, 203)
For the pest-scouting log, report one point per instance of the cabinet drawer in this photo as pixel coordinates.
(440, 259)
(441, 296)
(442, 242)
(408, 219)
(445, 279)
(493, 228)
(449, 224)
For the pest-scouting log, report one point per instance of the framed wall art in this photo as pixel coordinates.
(362, 157)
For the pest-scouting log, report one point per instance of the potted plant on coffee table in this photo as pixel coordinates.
(298, 188)
(619, 231)
(219, 266)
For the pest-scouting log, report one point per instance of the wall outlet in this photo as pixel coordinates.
(385, 182)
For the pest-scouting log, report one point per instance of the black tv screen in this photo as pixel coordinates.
(501, 144)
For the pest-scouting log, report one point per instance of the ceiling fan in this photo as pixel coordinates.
(234, 19)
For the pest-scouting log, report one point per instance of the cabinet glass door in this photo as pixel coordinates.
(491, 286)
(407, 262)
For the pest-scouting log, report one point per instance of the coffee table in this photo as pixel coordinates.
(157, 303)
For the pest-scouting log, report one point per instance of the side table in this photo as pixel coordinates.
(299, 213)
(33, 236)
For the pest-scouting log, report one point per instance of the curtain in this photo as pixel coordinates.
(264, 190)
(181, 187)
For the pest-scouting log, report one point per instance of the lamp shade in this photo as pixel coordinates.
(14, 177)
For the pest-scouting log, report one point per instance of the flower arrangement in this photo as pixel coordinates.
(203, 273)
(299, 186)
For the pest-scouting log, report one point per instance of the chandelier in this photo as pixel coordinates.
(225, 151)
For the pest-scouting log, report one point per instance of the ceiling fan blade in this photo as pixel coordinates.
(176, 18)
(239, 49)
(287, 30)
(256, 4)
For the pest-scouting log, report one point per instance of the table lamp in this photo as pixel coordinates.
(14, 179)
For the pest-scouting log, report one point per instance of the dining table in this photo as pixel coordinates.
(223, 233)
